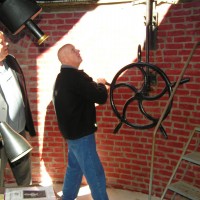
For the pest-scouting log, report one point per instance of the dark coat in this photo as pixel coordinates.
(74, 97)
(13, 64)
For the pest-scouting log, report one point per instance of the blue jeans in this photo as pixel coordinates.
(84, 160)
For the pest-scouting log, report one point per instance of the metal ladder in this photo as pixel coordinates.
(181, 187)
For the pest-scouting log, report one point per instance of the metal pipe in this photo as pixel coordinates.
(148, 27)
(148, 39)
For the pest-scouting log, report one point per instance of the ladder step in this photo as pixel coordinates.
(193, 157)
(185, 190)
(197, 129)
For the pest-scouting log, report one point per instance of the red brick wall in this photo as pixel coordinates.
(108, 37)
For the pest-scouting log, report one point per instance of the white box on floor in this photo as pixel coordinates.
(30, 193)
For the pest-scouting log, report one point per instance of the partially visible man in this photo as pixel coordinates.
(15, 110)
(74, 97)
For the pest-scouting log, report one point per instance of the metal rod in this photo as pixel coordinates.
(148, 26)
(163, 114)
(148, 39)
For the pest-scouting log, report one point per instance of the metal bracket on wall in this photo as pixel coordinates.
(151, 23)
(136, 2)
(153, 29)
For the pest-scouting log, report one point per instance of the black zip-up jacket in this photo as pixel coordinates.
(74, 98)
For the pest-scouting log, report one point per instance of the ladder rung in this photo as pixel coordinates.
(197, 129)
(193, 157)
(185, 190)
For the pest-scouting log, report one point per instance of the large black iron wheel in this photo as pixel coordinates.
(141, 88)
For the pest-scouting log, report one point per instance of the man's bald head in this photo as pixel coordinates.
(68, 55)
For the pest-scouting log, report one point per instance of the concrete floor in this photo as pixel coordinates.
(114, 194)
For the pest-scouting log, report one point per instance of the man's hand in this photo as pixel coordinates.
(103, 81)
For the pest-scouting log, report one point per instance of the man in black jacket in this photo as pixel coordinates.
(15, 111)
(74, 97)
